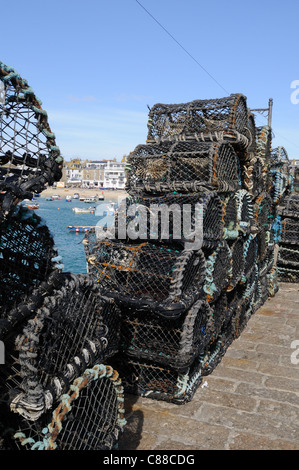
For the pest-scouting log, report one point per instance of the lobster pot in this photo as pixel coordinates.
(252, 133)
(182, 166)
(262, 290)
(237, 263)
(219, 316)
(280, 184)
(288, 255)
(29, 157)
(268, 261)
(253, 176)
(244, 211)
(287, 274)
(225, 118)
(289, 206)
(263, 212)
(179, 218)
(289, 231)
(148, 276)
(265, 242)
(218, 271)
(90, 416)
(151, 380)
(250, 256)
(230, 216)
(68, 327)
(174, 343)
(27, 256)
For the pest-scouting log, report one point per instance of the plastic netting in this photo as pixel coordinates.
(289, 230)
(67, 326)
(214, 119)
(90, 416)
(27, 256)
(250, 256)
(174, 217)
(253, 176)
(174, 343)
(263, 212)
(263, 142)
(288, 255)
(218, 270)
(237, 263)
(148, 276)
(289, 206)
(29, 157)
(288, 274)
(183, 167)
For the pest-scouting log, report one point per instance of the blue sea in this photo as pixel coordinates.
(58, 214)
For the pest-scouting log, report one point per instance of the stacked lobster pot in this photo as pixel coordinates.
(182, 260)
(288, 253)
(56, 329)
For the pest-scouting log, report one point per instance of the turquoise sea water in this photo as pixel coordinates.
(58, 214)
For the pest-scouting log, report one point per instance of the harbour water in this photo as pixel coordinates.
(58, 214)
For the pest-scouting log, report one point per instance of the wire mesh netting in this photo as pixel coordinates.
(27, 256)
(288, 255)
(218, 270)
(253, 175)
(225, 118)
(173, 218)
(183, 167)
(263, 142)
(29, 157)
(90, 416)
(244, 211)
(263, 212)
(230, 216)
(237, 263)
(148, 276)
(289, 206)
(289, 230)
(250, 256)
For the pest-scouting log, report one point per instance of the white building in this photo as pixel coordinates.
(114, 175)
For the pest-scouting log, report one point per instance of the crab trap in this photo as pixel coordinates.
(288, 255)
(237, 258)
(29, 157)
(289, 231)
(230, 216)
(244, 211)
(174, 343)
(289, 206)
(250, 256)
(148, 276)
(218, 270)
(263, 143)
(263, 212)
(253, 176)
(175, 218)
(64, 328)
(182, 167)
(27, 256)
(225, 119)
(287, 273)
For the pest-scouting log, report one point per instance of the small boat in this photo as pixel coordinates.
(90, 199)
(82, 198)
(56, 196)
(76, 196)
(101, 197)
(49, 198)
(32, 206)
(79, 210)
(68, 198)
(79, 228)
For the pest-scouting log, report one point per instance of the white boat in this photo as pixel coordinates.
(56, 196)
(90, 199)
(76, 196)
(68, 198)
(79, 210)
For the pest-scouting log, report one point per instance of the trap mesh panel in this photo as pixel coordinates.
(173, 343)
(252, 133)
(201, 119)
(148, 276)
(253, 176)
(279, 156)
(263, 212)
(289, 206)
(72, 327)
(280, 183)
(151, 380)
(27, 256)
(90, 416)
(230, 216)
(250, 256)
(29, 157)
(289, 230)
(218, 270)
(288, 255)
(263, 241)
(287, 274)
(273, 278)
(237, 263)
(244, 211)
(172, 217)
(183, 166)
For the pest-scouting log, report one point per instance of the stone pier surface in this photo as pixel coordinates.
(249, 402)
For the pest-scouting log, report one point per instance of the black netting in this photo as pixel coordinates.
(29, 157)
(263, 212)
(288, 274)
(148, 276)
(244, 211)
(175, 217)
(290, 230)
(174, 343)
(183, 167)
(230, 216)
(253, 175)
(289, 206)
(237, 263)
(250, 256)
(263, 142)
(201, 119)
(27, 256)
(288, 255)
(90, 416)
(218, 267)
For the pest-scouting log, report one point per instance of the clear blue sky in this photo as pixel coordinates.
(96, 64)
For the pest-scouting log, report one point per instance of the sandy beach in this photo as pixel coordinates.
(86, 192)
